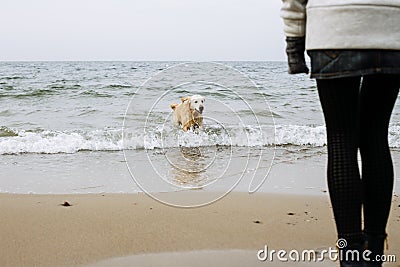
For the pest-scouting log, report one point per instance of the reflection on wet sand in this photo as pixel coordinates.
(189, 165)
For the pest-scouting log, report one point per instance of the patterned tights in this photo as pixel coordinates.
(357, 113)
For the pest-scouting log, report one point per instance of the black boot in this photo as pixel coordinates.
(375, 244)
(351, 256)
(351, 247)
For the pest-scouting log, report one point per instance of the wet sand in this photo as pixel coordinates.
(36, 230)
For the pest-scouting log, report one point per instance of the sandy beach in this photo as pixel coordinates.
(36, 230)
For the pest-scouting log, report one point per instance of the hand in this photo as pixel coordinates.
(295, 47)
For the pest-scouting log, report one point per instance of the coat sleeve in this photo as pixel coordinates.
(293, 13)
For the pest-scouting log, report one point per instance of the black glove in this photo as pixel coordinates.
(295, 47)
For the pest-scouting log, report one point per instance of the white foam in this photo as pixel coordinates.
(50, 142)
(394, 136)
(60, 142)
(300, 135)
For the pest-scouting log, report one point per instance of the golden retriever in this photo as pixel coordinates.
(189, 113)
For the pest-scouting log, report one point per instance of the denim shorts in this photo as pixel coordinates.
(329, 64)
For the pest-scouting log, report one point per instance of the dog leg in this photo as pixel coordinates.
(188, 125)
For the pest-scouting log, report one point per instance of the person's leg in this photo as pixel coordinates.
(340, 104)
(378, 95)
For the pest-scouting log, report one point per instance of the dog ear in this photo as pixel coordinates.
(183, 99)
(173, 106)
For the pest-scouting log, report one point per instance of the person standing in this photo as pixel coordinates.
(354, 47)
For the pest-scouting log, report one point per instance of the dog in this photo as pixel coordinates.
(188, 114)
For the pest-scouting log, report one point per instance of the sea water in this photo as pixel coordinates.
(62, 128)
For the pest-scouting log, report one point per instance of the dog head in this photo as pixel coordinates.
(196, 103)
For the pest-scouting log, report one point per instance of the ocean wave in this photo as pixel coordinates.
(117, 86)
(24, 94)
(12, 78)
(50, 142)
(300, 135)
(394, 136)
(95, 93)
(5, 112)
(5, 132)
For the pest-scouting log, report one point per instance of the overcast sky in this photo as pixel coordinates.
(141, 30)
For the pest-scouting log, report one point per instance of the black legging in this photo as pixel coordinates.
(358, 117)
